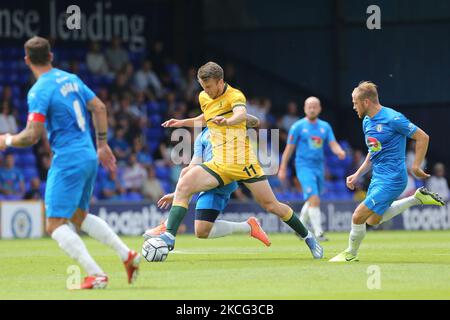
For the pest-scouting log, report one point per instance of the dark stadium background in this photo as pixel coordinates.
(279, 50)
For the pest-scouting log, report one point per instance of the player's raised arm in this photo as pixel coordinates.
(422, 140)
(190, 122)
(100, 121)
(28, 136)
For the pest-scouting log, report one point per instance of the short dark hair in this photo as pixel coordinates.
(210, 70)
(38, 50)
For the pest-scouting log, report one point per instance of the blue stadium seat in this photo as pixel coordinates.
(280, 196)
(30, 172)
(153, 107)
(102, 173)
(134, 196)
(42, 188)
(274, 181)
(13, 197)
(25, 160)
(136, 58)
(22, 66)
(155, 120)
(419, 183)
(340, 185)
(328, 186)
(24, 76)
(11, 65)
(154, 134)
(61, 54)
(11, 78)
(23, 105)
(12, 52)
(97, 192)
(166, 185)
(153, 145)
(162, 172)
(82, 67)
(15, 100)
(329, 195)
(20, 151)
(23, 117)
(78, 54)
(94, 80)
(194, 197)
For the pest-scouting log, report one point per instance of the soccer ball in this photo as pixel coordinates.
(155, 250)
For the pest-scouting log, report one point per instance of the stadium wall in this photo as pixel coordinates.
(134, 218)
(25, 219)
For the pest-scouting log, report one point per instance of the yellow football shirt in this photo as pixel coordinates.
(230, 144)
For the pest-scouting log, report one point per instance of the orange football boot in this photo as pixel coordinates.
(257, 231)
(95, 282)
(132, 266)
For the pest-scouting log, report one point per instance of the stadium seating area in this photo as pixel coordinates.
(176, 98)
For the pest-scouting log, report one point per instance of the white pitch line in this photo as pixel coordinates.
(211, 252)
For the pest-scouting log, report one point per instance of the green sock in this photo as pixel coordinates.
(295, 223)
(176, 215)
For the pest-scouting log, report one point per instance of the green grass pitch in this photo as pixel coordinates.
(413, 265)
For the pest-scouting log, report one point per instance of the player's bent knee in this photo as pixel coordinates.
(202, 233)
(358, 218)
(374, 220)
(53, 224)
(79, 217)
(314, 201)
(183, 189)
(270, 206)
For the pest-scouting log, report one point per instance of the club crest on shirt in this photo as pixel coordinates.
(379, 127)
(322, 130)
(373, 144)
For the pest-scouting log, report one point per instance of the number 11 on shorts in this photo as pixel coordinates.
(246, 169)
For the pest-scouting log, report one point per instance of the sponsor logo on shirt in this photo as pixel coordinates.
(315, 142)
(373, 144)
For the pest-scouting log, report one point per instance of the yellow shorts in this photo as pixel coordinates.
(226, 174)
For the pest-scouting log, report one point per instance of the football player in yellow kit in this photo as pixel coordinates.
(224, 113)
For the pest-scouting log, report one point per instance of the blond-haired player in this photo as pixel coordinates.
(385, 133)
